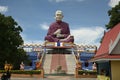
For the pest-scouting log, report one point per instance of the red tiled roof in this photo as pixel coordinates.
(109, 36)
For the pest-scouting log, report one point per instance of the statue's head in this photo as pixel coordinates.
(58, 15)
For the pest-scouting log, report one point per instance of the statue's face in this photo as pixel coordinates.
(58, 16)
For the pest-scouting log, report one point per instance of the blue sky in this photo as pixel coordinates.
(86, 18)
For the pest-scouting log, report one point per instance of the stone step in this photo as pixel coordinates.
(58, 60)
(66, 61)
(47, 63)
(71, 64)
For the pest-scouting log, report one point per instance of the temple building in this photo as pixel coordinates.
(108, 55)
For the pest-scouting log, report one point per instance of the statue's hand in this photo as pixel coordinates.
(59, 35)
(58, 31)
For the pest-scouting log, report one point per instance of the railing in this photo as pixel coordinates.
(42, 59)
(79, 73)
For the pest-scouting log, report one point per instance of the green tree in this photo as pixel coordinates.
(10, 41)
(114, 14)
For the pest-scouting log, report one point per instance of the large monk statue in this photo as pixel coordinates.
(59, 31)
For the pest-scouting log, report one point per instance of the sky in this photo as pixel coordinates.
(86, 18)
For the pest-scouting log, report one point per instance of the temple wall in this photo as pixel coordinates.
(115, 70)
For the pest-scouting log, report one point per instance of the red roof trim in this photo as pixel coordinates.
(106, 57)
(109, 36)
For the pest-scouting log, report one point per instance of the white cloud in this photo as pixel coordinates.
(83, 35)
(3, 8)
(26, 41)
(113, 3)
(23, 36)
(44, 26)
(33, 42)
(87, 35)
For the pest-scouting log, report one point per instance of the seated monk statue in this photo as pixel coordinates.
(59, 31)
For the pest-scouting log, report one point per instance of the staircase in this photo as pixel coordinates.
(47, 63)
(66, 61)
(57, 61)
(71, 64)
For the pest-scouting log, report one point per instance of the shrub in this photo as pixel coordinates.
(22, 72)
(81, 72)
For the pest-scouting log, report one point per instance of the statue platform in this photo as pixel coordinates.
(58, 45)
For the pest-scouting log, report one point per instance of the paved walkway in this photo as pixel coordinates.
(55, 78)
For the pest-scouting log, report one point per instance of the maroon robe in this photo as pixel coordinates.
(64, 30)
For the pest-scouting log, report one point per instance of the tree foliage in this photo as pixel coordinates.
(10, 40)
(114, 14)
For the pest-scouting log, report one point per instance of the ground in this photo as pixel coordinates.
(55, 78)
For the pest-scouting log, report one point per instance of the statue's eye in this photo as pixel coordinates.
(58, 15)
